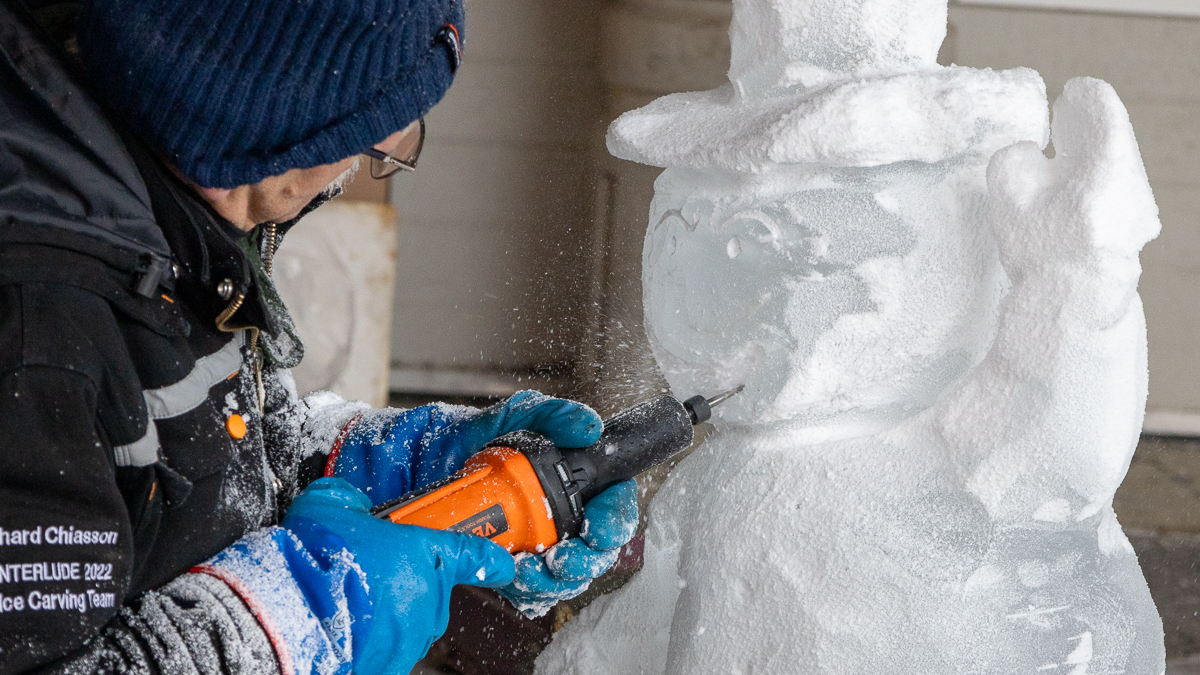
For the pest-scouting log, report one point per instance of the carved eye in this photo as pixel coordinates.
(751, 234)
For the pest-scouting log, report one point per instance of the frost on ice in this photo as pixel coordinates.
(944, 352)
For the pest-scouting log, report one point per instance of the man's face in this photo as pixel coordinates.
(281, 198)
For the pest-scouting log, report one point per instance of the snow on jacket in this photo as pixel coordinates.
(134, 446)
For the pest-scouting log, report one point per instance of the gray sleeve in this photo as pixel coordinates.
(195, 625)
(299, 432)
(311, 423)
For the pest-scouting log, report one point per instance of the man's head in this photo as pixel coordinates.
(269, 99)
(281, 198)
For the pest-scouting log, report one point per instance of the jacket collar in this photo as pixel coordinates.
(215, 275)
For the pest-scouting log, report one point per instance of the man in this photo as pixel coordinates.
(154, 514)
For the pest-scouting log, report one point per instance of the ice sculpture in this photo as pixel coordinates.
(944, 353)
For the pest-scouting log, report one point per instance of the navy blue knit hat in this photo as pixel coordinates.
(234, 91)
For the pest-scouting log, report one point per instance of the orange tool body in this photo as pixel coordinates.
(496, 495)
(526, 495)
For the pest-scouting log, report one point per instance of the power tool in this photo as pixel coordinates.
(526, 494)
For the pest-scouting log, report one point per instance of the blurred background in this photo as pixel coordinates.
(512, 258)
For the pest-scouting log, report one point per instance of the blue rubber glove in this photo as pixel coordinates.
(337, 590)
(568, 568)
(391, 452)
(409, 571)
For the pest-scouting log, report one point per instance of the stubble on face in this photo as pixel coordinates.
(338, 185)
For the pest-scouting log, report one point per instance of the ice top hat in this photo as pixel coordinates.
(834, 82)
(780, 44)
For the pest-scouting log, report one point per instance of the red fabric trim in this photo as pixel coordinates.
(337, 445)
(259, 611)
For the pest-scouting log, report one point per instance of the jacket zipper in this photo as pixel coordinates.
(270, 244)
(255, 351)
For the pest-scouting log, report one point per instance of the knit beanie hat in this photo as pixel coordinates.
(234, 91)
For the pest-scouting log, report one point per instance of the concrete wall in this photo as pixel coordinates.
(1154, 64)
(493, 258)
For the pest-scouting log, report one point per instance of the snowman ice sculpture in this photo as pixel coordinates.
(944, 356)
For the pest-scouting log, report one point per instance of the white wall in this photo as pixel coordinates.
(492, 265)
(1154, 64)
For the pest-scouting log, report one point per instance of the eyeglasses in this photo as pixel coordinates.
(404, 157)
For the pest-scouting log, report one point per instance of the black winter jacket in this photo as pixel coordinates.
(134, 446)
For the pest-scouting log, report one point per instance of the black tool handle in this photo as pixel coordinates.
(633, 441)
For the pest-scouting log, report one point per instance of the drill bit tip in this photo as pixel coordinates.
(721, 398)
